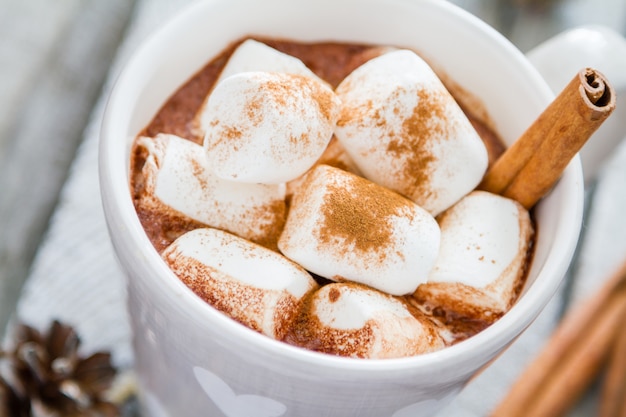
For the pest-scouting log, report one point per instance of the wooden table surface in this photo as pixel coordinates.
(54, 57)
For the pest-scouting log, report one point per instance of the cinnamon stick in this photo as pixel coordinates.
(613, 396)
(572, 357)
(529, 168)
(582, 364)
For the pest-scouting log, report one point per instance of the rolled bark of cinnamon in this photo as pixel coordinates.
(529, 168)
(582, 364)
(613, 396)
(573, 356)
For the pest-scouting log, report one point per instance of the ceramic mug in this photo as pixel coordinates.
(192, 360)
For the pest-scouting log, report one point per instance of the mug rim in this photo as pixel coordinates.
(122, 218)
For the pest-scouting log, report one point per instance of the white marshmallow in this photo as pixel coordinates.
(485, 239)
(335, 156)
(268, 127)
(346, 228)
(178, 175)
(405, 131)
(357, 321)
(253, 285)
(252, 55)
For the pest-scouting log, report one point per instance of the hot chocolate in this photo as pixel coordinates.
(376, 118)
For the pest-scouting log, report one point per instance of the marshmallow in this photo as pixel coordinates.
(249, 56)
(405, 131)
(253, 285)
(268, 127)
(252, 55)
(356, 321)
(178, 176)
(346, 228)
(335, 156)
(485, 241)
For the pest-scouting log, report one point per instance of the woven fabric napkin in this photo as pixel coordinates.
(75, 276)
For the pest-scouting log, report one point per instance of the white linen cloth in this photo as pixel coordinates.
(75, 276)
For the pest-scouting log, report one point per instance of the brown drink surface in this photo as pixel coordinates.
(330, 61)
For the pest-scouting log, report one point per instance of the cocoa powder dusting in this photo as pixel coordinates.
(322, 96)
(281, 90)
(413, 142)
(199, 173)
(208, 284)
(253, 111)
(359, 213)
(333, 295)
(138, 156)
(284, 315)
(163, 227)
(271, 220)
(308, 332)
(359, 114)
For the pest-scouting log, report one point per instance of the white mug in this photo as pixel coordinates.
(192, 360)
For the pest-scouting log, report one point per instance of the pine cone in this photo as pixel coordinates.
(11, 404)
(48, 378)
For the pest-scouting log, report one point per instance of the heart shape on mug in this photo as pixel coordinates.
(233, 405)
